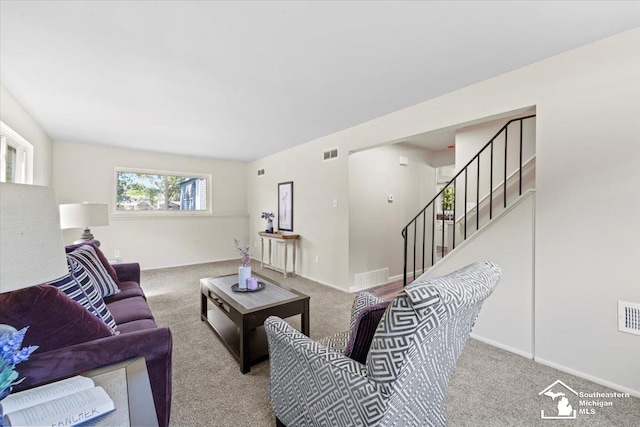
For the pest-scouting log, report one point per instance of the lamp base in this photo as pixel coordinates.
(92, 241)
(87, 236)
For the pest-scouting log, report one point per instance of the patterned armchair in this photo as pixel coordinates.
(404, 379)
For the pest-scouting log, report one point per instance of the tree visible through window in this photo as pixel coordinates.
(138, 191)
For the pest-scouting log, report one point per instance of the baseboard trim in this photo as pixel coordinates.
(323, 283)
(189, 264)
(396, 277)
(502, 346)
(257, 265)
(354, 289)
(614, 386)
(618, 387)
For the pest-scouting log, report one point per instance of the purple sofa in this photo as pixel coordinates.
(72, 340)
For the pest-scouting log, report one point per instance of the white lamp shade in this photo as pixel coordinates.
(31, 246)
(83, 215)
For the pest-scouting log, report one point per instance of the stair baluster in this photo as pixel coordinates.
(452, 184)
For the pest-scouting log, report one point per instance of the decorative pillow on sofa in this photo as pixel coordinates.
(87, 256)
(80, 287)
(54, 320)
(103, 259)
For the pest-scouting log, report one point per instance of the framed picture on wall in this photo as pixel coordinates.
(285, 206)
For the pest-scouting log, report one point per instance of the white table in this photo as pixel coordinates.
(286, 239)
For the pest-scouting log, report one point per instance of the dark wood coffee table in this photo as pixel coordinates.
(238, 317)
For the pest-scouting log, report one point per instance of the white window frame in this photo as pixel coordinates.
(24, 155)
(115, 214)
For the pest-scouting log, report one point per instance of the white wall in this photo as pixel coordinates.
(506, 318)
(323, 228)
(588, 104)
(375, 241)
(471, 139)
(18, 119)
(85, 172)
(444, 157)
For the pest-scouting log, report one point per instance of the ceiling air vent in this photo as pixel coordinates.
(629, 317)
(260, 172)
(330, 154)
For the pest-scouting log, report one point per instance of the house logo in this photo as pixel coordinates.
(559, 393)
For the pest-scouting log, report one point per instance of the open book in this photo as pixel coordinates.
(68, 402)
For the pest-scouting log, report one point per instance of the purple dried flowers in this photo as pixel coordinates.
(245, 259)
(10, 355)
(267, 215)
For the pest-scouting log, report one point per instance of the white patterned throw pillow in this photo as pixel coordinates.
(86, 256)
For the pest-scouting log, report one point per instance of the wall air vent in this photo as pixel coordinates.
(629, 317)
(330, 154)
(260, 172)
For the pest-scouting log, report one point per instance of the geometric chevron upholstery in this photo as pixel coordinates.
(404, 380)
(361, 302)
(366, 311)
(336, 342)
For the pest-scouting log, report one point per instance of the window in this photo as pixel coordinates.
(16, 157)
(160, 192)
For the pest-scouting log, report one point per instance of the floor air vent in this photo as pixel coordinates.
(629, 317)
(372, 278)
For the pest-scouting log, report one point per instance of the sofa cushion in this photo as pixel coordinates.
(103, 259)
(130, 309)
(136, 325)
(54, 319)
(86, 256)
(127, 290)
(79, 286)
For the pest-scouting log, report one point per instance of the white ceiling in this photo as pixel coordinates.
(242, 80)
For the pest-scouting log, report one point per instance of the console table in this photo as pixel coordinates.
(279, 237)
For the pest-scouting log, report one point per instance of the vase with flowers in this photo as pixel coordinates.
(269, 217)
(244, 271)
(12, 353)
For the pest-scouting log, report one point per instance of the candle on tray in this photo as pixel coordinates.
(252, 283)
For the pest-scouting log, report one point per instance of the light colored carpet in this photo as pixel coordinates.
(489, 387)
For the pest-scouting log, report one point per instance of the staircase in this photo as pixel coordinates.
(490, 182)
